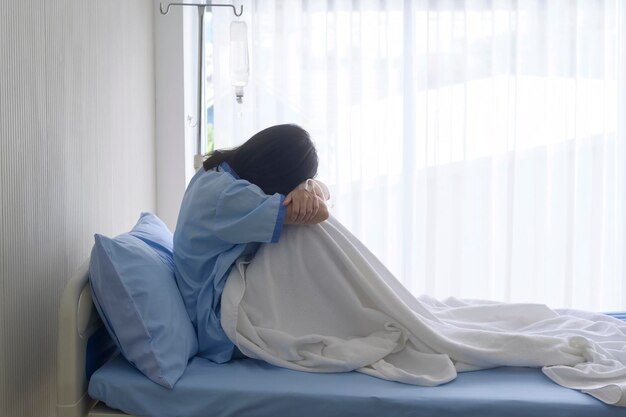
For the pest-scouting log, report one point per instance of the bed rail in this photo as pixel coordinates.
(78, 320)
(83, 346)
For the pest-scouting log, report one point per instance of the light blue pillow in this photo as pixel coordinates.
(155, 233)
(135, 292)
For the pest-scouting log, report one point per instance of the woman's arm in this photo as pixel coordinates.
(316, 187)
(305, 206)
(320, 216)
(320, 189)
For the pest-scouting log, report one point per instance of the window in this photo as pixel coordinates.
(475, 147)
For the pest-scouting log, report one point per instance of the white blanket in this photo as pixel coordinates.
(319, 301)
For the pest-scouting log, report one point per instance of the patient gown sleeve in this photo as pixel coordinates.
(245, 214)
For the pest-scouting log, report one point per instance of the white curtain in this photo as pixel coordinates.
(478, 147)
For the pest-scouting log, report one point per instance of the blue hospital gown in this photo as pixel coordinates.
(222, 217)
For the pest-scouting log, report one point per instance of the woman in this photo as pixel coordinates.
(237, 200)
(320, 301)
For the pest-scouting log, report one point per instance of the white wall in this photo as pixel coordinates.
(77, 156)
(170, 113)
(176, 107)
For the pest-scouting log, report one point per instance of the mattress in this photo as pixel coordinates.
(247, 387)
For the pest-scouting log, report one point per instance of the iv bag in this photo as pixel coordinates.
(239, 68)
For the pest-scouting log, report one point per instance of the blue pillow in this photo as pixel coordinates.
(155, 233)
(135, 292)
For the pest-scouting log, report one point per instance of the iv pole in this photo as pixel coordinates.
(197, 160)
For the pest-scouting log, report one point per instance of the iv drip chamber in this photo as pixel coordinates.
(239, 66)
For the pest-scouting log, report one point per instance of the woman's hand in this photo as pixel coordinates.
(320, 189)
(304, 205)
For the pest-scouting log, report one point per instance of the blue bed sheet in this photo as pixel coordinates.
(248, 387)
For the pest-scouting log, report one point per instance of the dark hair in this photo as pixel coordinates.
(275, 159)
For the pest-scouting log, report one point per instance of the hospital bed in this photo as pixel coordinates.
(88, 363)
